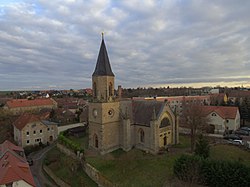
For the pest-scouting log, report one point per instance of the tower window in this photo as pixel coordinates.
(110, 89)
(94, 90)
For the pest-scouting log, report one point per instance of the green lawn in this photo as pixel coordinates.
(135, 168)
(184, 142)
(230, 152)
(83, 141)
(62, 166)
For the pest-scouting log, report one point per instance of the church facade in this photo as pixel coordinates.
(125, 123)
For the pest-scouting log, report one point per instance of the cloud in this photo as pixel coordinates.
(44, 43)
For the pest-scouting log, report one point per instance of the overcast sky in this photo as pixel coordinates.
(54, 44)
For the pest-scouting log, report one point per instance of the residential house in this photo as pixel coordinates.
(19, 106)
(221, 118)
(14, 168)
(31, 129)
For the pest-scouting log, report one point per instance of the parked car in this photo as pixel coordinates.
(232, 137)
(236, 142)
(245, 129)
(241, 132)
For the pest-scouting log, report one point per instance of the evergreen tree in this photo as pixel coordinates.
(202, 147)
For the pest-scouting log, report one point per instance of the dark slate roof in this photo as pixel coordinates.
(143, 111)
(103, 67)
(46, 122)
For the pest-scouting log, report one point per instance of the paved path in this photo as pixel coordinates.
(36, 169)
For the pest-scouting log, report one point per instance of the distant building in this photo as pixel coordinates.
(18, 106)
(177, 103)
(114, 124)
(221, 118)
(30, 129)
(14, 169)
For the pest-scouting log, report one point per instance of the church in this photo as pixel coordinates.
(126, 123)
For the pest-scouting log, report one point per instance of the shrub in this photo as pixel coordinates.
(195, 169)
(70, 144)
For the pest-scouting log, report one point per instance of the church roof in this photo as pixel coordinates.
(103, 67)
(143, 111)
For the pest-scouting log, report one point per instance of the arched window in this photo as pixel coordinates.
(94, 90)
(95, 138)
(165, 122)
(141, 136)
(110, 89)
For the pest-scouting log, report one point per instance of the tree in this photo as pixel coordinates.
(202, 147)
(193, 117)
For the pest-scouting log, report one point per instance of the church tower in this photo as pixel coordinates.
(104, 116)
(103, 77)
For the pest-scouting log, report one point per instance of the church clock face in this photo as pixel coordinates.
(111, 112)
(94, 112)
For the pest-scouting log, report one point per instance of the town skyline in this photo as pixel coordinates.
(155, 44)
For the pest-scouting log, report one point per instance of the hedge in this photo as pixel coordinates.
(195, 169)
(70, 144)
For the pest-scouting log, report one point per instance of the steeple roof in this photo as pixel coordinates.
(103, 67)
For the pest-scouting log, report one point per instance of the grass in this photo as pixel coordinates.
(184, 142)
(230, 152)
(135, 168)
(82, 141)
(71, 172)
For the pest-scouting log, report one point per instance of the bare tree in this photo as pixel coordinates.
(194, 118)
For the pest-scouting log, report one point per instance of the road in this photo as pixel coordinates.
(36, 169)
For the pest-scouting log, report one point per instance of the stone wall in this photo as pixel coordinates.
(96, 176)
(93, 173)
(67, 151)
(57, 180)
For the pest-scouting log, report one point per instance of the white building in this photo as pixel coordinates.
(221, 118)
(29, 129)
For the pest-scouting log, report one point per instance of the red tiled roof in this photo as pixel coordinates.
(25, 118)
(225, 112)
(8, 145)
(13, 167)
(28, 103)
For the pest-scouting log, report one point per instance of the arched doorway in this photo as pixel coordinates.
(51, 138)
(165, 141)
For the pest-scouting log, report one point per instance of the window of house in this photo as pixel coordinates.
(41, 131)
(34, 132)
(27, 133)
(213, 114)
(48, 129)
(27, 141)
(52, 128)
(227, 121)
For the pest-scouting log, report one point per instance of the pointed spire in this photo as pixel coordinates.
(103, 67)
